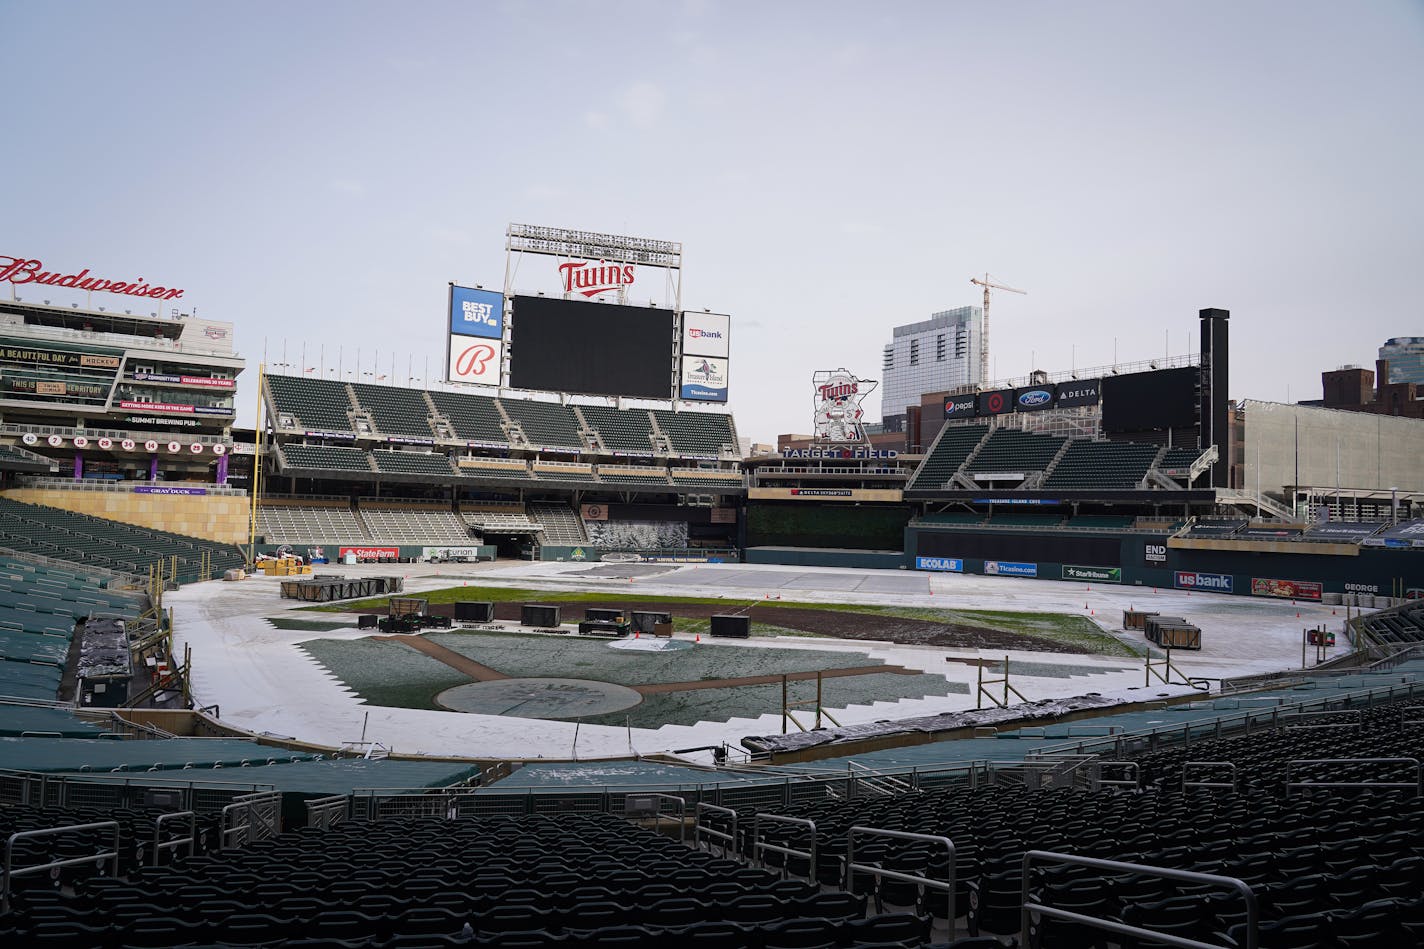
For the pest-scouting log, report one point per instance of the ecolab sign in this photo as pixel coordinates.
(580, 276)
(1209, 582)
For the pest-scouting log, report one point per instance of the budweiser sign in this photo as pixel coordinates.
(590, 279)
(24, 270)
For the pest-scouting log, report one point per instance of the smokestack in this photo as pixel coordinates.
(1215, 366)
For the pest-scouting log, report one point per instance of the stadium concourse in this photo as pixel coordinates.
(263, 681)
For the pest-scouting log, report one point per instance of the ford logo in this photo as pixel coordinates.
(1036, 397)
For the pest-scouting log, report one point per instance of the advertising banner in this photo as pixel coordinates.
(372, 553)
(1207, 582)
(1005, 568)
(941, 564)
(1096, 574)
(210, 382)
(476, 313)
(157, 489)
(1079, 392)
(704, 379)
(52, 357)
(959, 406)
(1155, 553)
(475, 361)
(705, 334)
(450, 553)
(997, 402)
(594, 512)
(1034, 398)
(1286, 589)
(811, 494)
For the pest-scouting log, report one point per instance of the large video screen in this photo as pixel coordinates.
(1142, 401)
(592, 348)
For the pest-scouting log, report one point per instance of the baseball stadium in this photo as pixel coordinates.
(543, 652)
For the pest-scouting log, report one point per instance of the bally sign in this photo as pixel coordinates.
(24, 270)
(590, 279)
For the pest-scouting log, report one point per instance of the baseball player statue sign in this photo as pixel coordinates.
(837, 397)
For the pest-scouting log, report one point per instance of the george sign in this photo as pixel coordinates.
(1005, 568)
(594, 512)
(371, 553)
(156, 489)
(837, 397)
(1079, 392)
(1034, 398)
(1286, 589)
(476, 361)
(1208, 582)
(22, 270)
(705, 334)
(475, 312)
(1155, 553)
(942, 564)
(1095, 574)
(960, 406)
(580, 276)
(704, 379)
(997, 402)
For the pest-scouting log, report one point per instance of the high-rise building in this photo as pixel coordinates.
(935, 355)
(1406, 359)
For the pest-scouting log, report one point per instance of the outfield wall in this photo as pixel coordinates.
(811, 557)
(1295, 571)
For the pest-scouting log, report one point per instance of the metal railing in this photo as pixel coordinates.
(728, 838)
(10, 871)
(324, 813)
(250, 819)
(160, 845)
(40, 789)
(651, 806)
(852, 868)
(1030, 931)
(761, 847)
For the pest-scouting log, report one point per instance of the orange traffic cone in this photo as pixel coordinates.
(698, 638)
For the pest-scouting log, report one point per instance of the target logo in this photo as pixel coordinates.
(996, 402)
(476, 362)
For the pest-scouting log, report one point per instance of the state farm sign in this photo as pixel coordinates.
(22, 270)
(581, 276)
(371, 553)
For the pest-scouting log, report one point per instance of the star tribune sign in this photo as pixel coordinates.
(837, 397)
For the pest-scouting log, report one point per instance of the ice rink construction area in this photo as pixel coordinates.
(883, 645)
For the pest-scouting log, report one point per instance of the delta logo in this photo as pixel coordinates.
(581, 276)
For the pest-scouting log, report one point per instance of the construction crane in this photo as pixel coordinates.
(984, 323)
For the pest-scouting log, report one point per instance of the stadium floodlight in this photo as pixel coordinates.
(591, 245)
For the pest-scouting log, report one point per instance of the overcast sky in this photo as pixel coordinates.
(317, 172)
